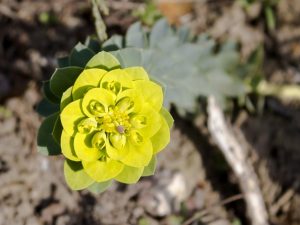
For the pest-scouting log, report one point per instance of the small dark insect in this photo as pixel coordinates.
(121, 129)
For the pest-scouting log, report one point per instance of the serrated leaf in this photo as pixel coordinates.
(167, 44)
(113, 44)
(165, 71)
(46, 108)
(227, 61)
(184, 67)
(150, 169)
(75, 176)
(224, 84)
(49, 94)
(228, 46)
(103, 60)
(129, 57)
(184, 34)
(63, 78)
(80, 55)
(135, 36)
(160, 30)
(98, 188)
(45, 141)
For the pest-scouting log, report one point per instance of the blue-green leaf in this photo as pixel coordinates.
(129, 57)
(161, 30)
(135, 36)
(184, 34)
(113, 44)
(186, 66)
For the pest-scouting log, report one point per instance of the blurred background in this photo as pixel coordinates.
(193, 177)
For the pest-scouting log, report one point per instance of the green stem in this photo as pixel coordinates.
(98, 5)
(284, 92)
(270, 18)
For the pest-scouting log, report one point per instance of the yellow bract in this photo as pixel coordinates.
(114, 123)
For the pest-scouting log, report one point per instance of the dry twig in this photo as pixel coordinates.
(202, 213)
(235, 155)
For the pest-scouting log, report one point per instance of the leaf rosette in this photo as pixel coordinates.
(113, 124)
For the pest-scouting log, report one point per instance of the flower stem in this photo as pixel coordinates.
(286, 92)
(97, 6)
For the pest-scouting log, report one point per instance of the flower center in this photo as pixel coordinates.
(114, 125)
(115, 121)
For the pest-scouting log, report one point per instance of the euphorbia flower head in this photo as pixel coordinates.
(114, 124)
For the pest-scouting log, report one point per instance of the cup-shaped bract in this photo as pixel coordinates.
(114, 124)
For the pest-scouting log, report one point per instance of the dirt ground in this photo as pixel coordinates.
(192, 175)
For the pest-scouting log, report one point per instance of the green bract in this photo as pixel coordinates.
(113, 123)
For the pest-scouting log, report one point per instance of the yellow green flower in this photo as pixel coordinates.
(114, 124)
